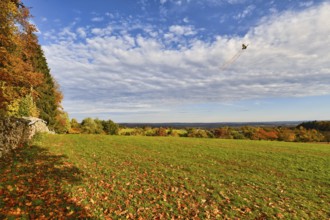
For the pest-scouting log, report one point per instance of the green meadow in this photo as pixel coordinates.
(120, 177)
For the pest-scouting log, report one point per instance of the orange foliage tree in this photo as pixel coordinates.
(25, 79)
(17, 44)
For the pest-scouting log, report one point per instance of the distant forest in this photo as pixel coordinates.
(317, 125)
(292, 132)
(321, 126)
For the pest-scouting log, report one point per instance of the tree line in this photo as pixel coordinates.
(27, 87)
(93, 126)
(301, 133)
(322, 126)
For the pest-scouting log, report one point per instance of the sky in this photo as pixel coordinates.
(182, 60)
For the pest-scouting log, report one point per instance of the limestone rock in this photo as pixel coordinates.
(17, 131)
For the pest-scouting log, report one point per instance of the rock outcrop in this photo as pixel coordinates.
(14, 132)
(35, 125)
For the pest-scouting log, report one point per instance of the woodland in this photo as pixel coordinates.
(27, 87)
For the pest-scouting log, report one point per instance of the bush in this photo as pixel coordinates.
(160, 132)
(110, 127)
(91, 126)
(199, 133)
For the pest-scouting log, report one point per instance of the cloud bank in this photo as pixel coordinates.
(138, 68)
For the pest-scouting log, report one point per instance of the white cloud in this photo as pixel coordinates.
(186, 20)
(306, 4)
(203, 2)
(97, 19)
(81, 32)
(236, 1)
(246, 12)
(110, 15)
(182, 30)
(101, 31)
(287, 57)
(221, 2)
(143, 4)
(67, 35)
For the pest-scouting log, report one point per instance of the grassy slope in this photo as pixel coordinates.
(184, 177)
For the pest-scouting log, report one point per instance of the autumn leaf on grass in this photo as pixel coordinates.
(92, 201)
(70, 213)
(10, 188)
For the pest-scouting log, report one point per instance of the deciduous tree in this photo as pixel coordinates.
(25, 78)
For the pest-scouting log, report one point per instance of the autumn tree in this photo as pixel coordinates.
(62, 124)
(286, 134)
(160, 131)
(321, 126)
(75, 126)
(17, 43)
(26, 85)
(199, 133)
(266, 134)
(224, 132)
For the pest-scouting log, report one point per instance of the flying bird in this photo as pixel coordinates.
(244, 46)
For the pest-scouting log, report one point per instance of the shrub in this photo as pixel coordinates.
(110, 127)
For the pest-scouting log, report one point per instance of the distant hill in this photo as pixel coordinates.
(318, 125)
(214, 125)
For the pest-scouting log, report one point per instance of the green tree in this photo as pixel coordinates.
(110, 127)
(74, 123)
(326, 135)
(75, 127)
(91, 126)
(27, 107)
(99, 126)
(62, 124)
(49, 96)
(199, 133)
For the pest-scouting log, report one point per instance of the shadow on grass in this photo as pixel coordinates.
(32, 186)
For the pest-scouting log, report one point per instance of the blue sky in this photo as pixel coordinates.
(169, 60)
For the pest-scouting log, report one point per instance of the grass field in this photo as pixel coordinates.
(117, 177)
